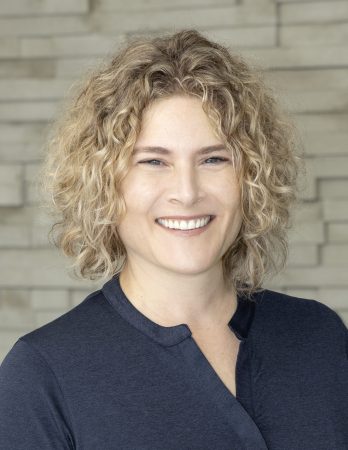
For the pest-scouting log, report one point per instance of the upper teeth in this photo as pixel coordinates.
(185, 224)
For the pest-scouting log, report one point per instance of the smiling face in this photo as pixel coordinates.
(182, 181)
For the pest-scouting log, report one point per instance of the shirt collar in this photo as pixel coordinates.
(240, 323)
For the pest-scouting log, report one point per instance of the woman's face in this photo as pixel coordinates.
(179, 182)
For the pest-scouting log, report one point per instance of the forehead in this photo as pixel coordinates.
(177, 121)
(173, 106)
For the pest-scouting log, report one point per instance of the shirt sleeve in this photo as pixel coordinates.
(33, 413)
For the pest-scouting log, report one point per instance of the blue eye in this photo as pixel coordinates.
(218, 159)
(149, 161)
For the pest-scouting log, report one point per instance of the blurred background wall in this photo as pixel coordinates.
(45, 45)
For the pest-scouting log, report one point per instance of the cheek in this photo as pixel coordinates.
(142, 186)
(228, 194)
(233, 209)
(139, 195)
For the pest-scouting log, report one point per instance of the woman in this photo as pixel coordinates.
(174, 172)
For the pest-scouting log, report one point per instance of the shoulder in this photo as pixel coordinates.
(72, 323)
(78, 334)
(296, 311)
(288, 319)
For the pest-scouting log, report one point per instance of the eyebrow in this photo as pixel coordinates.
(166, 151)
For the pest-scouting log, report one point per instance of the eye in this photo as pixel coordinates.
(218, 159)
(148, 161)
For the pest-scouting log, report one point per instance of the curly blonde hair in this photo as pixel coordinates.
(90, 147)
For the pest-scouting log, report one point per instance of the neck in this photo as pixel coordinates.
(200, 301)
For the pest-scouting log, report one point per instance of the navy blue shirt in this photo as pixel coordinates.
(103, 376)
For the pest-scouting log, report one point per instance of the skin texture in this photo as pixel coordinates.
(178, 279)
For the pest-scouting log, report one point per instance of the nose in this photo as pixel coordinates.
(185, 186)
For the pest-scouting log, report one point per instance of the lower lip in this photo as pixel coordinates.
(193, 232)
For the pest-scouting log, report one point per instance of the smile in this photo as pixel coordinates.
(186, 227)
(185, 224)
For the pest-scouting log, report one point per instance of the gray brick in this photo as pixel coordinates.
(31, 180)
(303, 255)
(322, 123)
(308, 188)
(315, 34)
(327, 166)
(308, 212)
(29, 7)
(307, 233)
(23, 132)
(38, 268)
(18, 216)
(323, 134)
(306, 12)
(40, 226)
(302, 293)
(38, 47)
(27, 226)
(33, 89)
(21, 152)
(333, 188)
(143, 5)
(14, 236)
(315, 101)
(321, 143)
(313, 277)
(274, 286)
(34, 111)
(78, 295)
(8, 338)
(245, 36)
(334, 298)
(49, 300)
(15, 68)
(9, 47)
(335, 255)
(24, 229)
(39, 236)
(36, 26)
(335, 209)
(76, 67)
(16, 318)
(11, 187)
(338, 232)
(14, 298)
(297, 57)
(90, 44)
(139, 21)
(309, 80)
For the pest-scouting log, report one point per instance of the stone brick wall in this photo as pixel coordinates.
(46, 45)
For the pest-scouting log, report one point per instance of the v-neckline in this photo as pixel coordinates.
(240, 322)
(221, 349)
(206, 378)
(198, 368)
